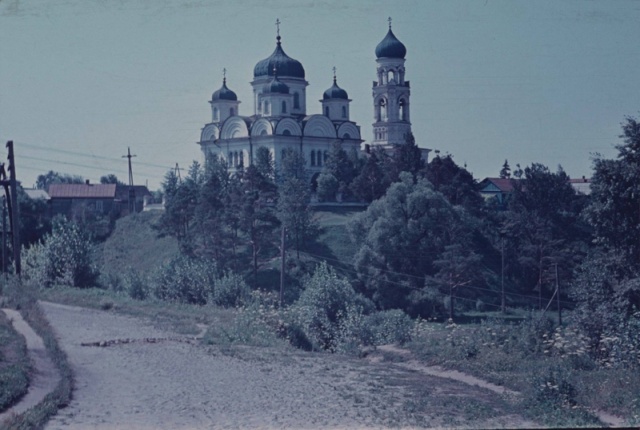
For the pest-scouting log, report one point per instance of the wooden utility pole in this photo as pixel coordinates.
(4, 236)
(15, 217)
(558, 297)
(282, 256)
(504, 307)
(132, 191)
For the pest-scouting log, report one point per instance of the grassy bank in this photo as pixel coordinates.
(25, 300)
(14, 365)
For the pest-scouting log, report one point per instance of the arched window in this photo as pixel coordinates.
(263, 133)
(326, 155)
(215, 114)
(346, 136)
(326, 111)
(391, 77)
(266, 107)
(241, 163)
(344, 111)
(313, 158)
(230, 159)
(296, 101)
(284, 106)
(286, 133)
(403, 111)
(319, 159)
(232, 112)
(383, 110)
(235, 159)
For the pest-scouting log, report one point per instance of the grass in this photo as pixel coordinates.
(24, 299)
(14, 365)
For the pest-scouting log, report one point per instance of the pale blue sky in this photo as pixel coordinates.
(529, 81)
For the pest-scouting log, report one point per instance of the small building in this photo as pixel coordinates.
(78, 201)
(581, 186)
(138, 194)
(499, 188)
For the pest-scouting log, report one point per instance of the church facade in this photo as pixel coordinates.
(280, 121)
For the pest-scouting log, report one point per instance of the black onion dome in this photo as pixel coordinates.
(285, 65)
(276, 86)
(390, 47)
(335, 92)
(224, 93)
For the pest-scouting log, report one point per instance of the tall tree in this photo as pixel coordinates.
(454, 182)
(110, 179)
(614, 208)
(505, 172)
(372, 182)
(44, 180)
(293, 199)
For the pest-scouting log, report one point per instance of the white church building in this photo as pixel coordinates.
(280, 120)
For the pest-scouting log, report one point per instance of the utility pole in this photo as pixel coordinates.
(282, 256)
(132, 191)
(4, 236)
(504, 308)
(11, 197)
(177, 173)
(558, 297)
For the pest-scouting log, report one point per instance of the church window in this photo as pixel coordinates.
(215, 114)
(284, 107)
(266, 107)
(326, 111)
(296, 101)
(326, 156)
(391, 77)
(231, 112)
(263, 133)
(235, 159)
(313, 158)
(344, 111)
(286, 133)
(403, 111)
(346, 136)
(241, 163)
(319, 159)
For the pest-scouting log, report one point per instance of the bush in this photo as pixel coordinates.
(326, 300)
(230, 291)
(390, 326)
(62, 258)
(136, 285)
(327, 187)
(186, 280)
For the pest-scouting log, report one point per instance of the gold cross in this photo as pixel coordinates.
(278, 25)
(389, 23)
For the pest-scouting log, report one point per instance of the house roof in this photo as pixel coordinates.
(504, 185)
(82, 191)
(35, 193)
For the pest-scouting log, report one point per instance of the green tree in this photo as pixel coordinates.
(264, 163)
(454, 182)
(110, 179)
(44, 180)
(407, 158)
(505, 172)
(371, 183)
(614, 207)
(327, 187)
(400, 237)
(293, 200)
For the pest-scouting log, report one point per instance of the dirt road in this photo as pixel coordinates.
(178, 385)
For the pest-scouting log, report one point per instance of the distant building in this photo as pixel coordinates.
(280, 120)
(499, 188)
(582, 185)
(83, 201)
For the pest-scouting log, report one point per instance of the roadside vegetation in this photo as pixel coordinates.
(538, 291)
(14, 364)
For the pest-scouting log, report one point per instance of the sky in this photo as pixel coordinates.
(527, 81)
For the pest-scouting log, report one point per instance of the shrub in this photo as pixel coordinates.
(327, 187)
(186, 280)
(63, 258)
(230, 291)
(325, 300)
(136, 285)
(389, 326)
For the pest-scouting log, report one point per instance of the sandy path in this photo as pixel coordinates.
(178, 385)
(45, 375)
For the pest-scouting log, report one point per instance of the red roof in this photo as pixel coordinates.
(82, 191)
(503, 184)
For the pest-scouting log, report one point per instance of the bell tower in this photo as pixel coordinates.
(391, 109)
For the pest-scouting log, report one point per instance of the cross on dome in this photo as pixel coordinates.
(389, 23)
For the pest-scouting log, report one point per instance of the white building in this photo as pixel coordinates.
(279, 119)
